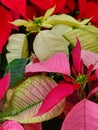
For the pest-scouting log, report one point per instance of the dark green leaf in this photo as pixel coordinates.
(17, 67)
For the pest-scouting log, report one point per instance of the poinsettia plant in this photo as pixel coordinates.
(48, 64)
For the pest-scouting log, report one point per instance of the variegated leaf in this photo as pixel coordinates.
(27, 99)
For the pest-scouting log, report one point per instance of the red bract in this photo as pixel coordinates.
(88, 10)
(18, 6)
(43, 4)
(5, 26)
(95, 1)
(30, 12)
(33, 126)
(33, 10)
(59, 4)
(68, 7)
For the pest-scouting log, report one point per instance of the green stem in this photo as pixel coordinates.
(82, 92)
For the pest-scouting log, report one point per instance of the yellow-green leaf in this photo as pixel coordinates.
(85, 21)
(20, 22)
(64, 19)
(48, 13)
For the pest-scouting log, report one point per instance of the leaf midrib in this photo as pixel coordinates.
(12, 111)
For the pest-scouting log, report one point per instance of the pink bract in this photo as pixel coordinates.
(57, 63)
(12, 125)
(82, 117)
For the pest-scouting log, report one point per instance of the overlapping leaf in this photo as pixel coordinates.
(61, 91)
(27, 99)
(58, 63)
(35, 25)
(83, 116)
(87, 34)
(88, 38)
(48, 43)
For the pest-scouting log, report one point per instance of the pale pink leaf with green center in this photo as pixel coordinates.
(57, 63)
(5, 26)
(83, 116)
(33, 126)
(61, 91)
(27, 99)
(12, 125)
(76, 56)
(4, 83)
(18, 6)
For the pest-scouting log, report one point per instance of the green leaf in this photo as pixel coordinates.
(48, 43)
(27, 99)
(17, 67)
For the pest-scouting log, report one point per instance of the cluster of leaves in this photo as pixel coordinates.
(57, 73)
